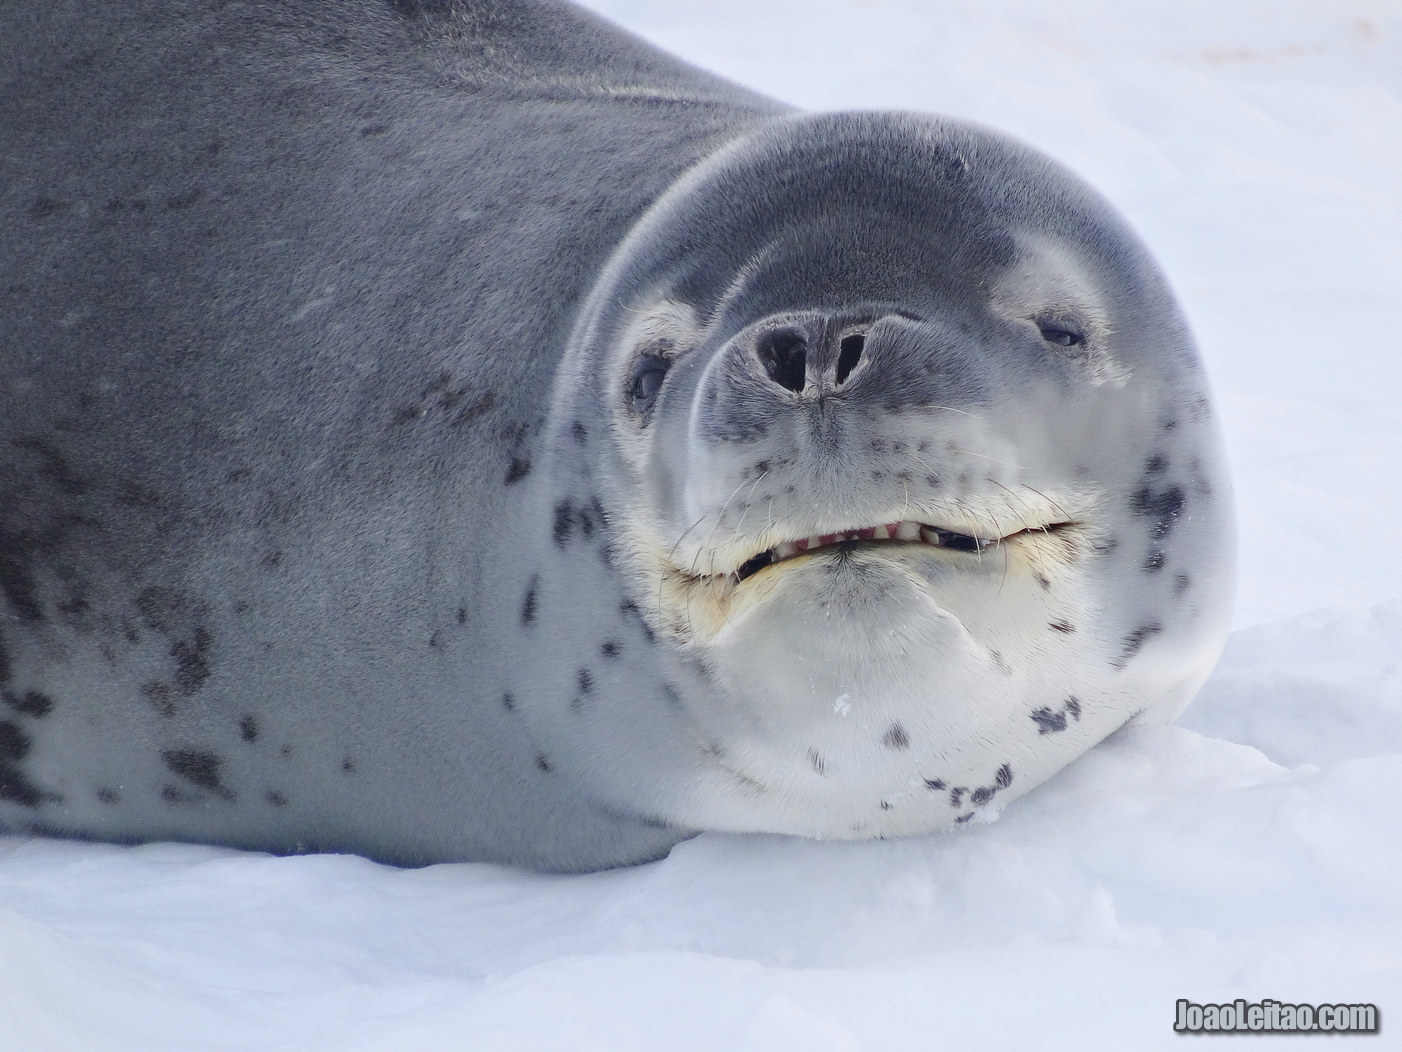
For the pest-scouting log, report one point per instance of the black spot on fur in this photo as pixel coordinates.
(579, 432)
(885, 806)
(1043, 580)
(964, 818)
(348, 766)
(1001, 662)
(519, 468)
(816, 760)
(16, 583)
(1163, 507)
(160, 695)
(935, 785)
(542, 762)
(15, 785)
(275, 798)
(586, 681)
(956, 795)
(1156, 465)
(508, 703)
(191, 662)
(197, 767)
(1154, 561)
(631, 608)
(610, 648)
(1062, 626)
(108, 796)
(45, 207)
(896, 737)
(14, 743)
(462, 615)
(285, 751)
(528, 607)
(30, 703)
(1134, 642)
(1048, 722)
(248, 729)
(435, 641)
(1073, 707)
(1180, 583)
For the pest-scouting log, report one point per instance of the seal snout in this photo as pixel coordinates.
(809, 351)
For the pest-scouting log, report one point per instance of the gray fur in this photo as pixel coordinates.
(312, 515)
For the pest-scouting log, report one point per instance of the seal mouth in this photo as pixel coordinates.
(905, 532)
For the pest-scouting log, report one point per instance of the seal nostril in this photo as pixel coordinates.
(784, 355)
(851, 354)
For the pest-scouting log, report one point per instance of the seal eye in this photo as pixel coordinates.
(1061, 334)
(648, 374)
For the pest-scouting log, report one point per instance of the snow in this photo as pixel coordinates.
(1254, 850)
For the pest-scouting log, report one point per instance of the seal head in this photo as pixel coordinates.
(898, 446)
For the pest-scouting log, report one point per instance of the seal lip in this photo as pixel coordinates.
(905, 532)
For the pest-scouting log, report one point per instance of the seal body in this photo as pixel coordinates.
(460, 431)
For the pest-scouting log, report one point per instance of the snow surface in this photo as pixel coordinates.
(1254, 850)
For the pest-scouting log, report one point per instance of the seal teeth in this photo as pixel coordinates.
(907, 531)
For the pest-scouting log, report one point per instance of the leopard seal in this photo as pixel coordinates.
(460, 431)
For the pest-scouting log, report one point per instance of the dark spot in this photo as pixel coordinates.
(55, 466)
(564, 522)
(44, 207)
(161, 695)
(462, 615)
(271, 560)
(30, 703)
(586, 681)
(1003, 777)
(1156, 465)
(579, 432)
(1154, 561)
(631, 608)
(610, 648)
(1181, 583)
(508, 703)
(1073, 706)
(1135, 641)
(14, 743)
(982, 795)
(964, 818)
(956, 795)
(817, 761)
(435, 641)
(15, 580)
(197, 767)
(885, 806)
(528, 609)
(178, 202)
(935, 785)
(275, 798)
(108, 796)
(1047, 721)
(1062, 626)
(1044, 582)
(1163, 507)
(670, 695)
(372, 130)
(541, 762)
(285, 751)
(191, 662)
(171, 795)
(520, 467)
(248, 729)
(348, 766)
(1001, 664)
(896, 737)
